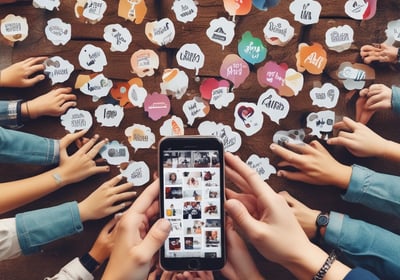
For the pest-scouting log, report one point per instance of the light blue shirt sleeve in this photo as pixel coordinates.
(375, 190)
(10, 113)
(365, 245)
(396, 99)
(39, 227)
(21, 147)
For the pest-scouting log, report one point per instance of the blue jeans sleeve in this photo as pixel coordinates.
(375, 190)
(358, 273)
(21, 147)
(39, 227)
(396, 99)
(365, 245)
(10, 113)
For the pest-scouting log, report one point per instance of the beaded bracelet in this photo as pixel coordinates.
(326, 266)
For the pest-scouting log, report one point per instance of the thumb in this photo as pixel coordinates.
(240, 216)
(156, 236)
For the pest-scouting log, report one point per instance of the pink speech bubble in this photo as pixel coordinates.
(234, 69)
(157, 105)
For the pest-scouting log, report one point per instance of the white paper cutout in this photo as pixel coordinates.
(46, 4)
(305, 11)
(137, 95)
(94, 10)
(230, 139)
(58, 32)
(58, 69)
(355, 8)
(161, 32)
(195, 108)
(278, 31)
(172, 127)
(261, 165)
(293, 136)
(339, 38)
(185, 10)
(75, 119)
(327, 96)
(140, 136)
(294, 80)
(175, 82)
(92, 58)
(221, 31)
(352, 78)
(14, 28)
(273, 105)
(393, 32)
(97, 87)
(321, 123)
(118, 36)
(248, 118)
(221, 97)
(190, 56)
(137, 173)
(115, 153)
(109, 115)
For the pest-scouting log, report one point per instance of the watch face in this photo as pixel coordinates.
(322, 220)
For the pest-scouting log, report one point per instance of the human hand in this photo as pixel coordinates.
(304, 215)
(54, 103)
(20, 74)
(80, 165)
(378, 52)
(106, 200)
(314, 165)
(358, 139)
(194, 275)
(379, 97)
(136, 245)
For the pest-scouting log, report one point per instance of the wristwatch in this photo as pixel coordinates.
(398, 55)
(322, 221)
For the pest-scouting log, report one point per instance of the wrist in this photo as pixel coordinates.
(342, 176)
(98, 254)
(89, 262)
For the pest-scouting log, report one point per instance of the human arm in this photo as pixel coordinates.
(72, 169)
(274, 231)
(136, 243)
(313, 163)
(379, 52)
(20, 74)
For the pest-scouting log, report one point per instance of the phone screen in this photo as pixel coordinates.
(192, 196)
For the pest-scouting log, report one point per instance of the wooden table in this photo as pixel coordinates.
(59, 253)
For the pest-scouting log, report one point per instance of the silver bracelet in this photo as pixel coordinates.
(326, 266)
(57, 178)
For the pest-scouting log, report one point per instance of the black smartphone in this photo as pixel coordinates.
(191, 171)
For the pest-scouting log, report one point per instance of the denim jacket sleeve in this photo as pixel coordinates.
(21, 147)
(365, 245)
(396, 99)
(360, 274)
(39, 227)
(72, 271)
(10, 113)
(375, 190)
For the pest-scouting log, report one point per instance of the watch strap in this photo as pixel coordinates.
(89, 262)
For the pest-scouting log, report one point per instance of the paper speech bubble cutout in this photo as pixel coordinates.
(137, 95)
(278, 31)
(119, 37)
(157, 105)
(354, 76)
(57, 31)
(140, 136)
(109, 115)
(172, 127)
(261, 165)
(326, 96)
(94, 10)
(305, 11)
(217, 92)
(221, 31)
(97, 87)
(272, 74)
(175, 82)
(294, 82)
(57, 69)
(360, 9)
(75, 119)
(191, 57)
(251, 48)
(115, 153)
(237, 7)
(185, 10)
(273, 105)
(160, 32)
(195, 108)
(46, 4)
(293, 136)
(321, 123)
(248, 118)
(92, 58)
(230, 139)
(339, 38)
(119, 91)
(143, 62)
(234, 69)
(137, 173)
(392, 32)
(133, 10)
(312, 58)
(14, 28)
(264, 5)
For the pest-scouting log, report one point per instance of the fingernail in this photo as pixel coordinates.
(118, 215)
(164, 225)
(272, 146)
(96, 136)
(279, 174)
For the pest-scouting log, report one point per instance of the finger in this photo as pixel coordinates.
(92, 153)
(110, 225)
(287, 155)
(34, 80)
(146, 198)
(153, 210)
(155, 238)
(99, 169)
(87, 146)
(364, 92)
(64, 90)
(35, 60)
(291, 201)
(341, 126)
(293, 175)
(236, 179)
(118, 207)
(342, 140)
(123, 187)
(35, 68)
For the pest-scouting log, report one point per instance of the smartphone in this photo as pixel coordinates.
(191, 171)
